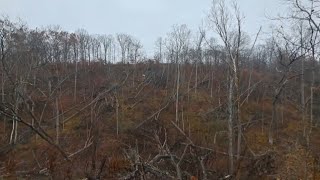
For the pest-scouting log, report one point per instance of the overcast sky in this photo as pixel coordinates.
(144, 19)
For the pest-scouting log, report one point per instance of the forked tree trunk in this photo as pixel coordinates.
(14, 129)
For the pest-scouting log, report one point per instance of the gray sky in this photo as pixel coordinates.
(144, 19)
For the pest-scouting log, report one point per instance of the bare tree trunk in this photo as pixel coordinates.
(212, 79)
(167, 78)
(105, 54)
(303, 100)
(239, 127)
(182, 117)
(249, 83)
(189, 128)
(178, 170)
(237, 83)
(189, 82)
(219, 98)
(273, 121)
(114, 53)
(57, 121)
(12, 131)
(2, 86)
(282, 112)
(75, 83)
(117, 114)
(49, 86)
(32, 111)
(203, 168)
(133, 74)
(312, 86)
(177, 93)
(302, 81)
(196, 79)
(262, 114)
(230, 124)
(311, 103)
(16, 130)
(2, 97)
(311, 108)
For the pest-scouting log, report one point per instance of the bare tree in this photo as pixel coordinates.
(83, 42)
(199, 54)
(106, 41)
(124, 41)
(220, 19)
(178, 41)
(306, 14)
(159, 49)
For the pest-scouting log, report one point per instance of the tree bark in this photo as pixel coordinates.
(230, 124)
(57, 121)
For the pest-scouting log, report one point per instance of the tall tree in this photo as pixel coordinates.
(220, 19)
(178, 42)
(124, 41)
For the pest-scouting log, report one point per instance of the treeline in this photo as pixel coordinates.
(199, 98)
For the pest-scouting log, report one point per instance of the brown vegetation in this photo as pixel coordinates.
(197, 111)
